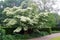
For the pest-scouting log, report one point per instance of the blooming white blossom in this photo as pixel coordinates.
(12, 22)
(23, 18)
(17, 16)
(46, 14)
(18, 29)
(29, 8)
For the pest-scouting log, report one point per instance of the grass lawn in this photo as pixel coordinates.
(56, 38)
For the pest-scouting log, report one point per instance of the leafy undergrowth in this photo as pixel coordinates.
(56, 31)
(24, 37)
(56, 38)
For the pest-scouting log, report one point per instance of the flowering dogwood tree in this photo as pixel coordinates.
(28, 18)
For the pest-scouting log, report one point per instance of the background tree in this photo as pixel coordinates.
(10, 3)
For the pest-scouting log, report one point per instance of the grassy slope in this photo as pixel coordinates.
(56, 38)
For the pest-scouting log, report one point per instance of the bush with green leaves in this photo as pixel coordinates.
(28, 18)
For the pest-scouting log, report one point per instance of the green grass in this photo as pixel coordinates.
(56, 38)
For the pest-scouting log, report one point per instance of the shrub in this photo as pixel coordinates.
(2, 33)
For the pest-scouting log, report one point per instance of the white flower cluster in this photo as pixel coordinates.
(12, 22)
(18, 29)
(29, 8)
(44, 14)
(24, 19)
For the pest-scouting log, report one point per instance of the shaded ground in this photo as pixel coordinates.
(47, 37)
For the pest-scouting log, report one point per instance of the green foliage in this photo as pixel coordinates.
(25, 36)
(43, 33)
(52, 20)
(2, 33)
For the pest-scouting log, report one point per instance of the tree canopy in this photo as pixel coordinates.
(27, 18)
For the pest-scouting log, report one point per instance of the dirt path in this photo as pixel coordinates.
(47, 37)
